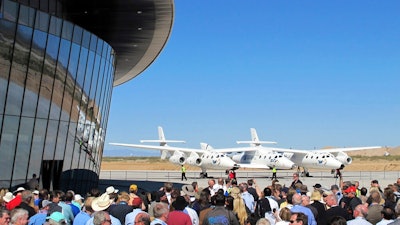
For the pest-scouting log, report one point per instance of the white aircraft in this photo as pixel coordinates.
(248, 158)
(335, 158)
(203, 158)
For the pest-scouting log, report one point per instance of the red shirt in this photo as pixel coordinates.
(14, 203)
(177, 217)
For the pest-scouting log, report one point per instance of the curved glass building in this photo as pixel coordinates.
(59, 62)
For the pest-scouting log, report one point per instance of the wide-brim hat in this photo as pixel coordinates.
(180, 203)
(188, 190)
(101, 203)
(111, 190)
(8, 197)
(20, 189)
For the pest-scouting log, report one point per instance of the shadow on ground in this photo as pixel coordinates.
(143, 186)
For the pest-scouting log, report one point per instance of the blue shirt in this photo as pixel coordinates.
(38, 219)
(305, 210)
(81, 218)
(248, 200)
(114, 221)
(158, 221)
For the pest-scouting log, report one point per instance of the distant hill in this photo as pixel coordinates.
(129, 152)
(376, 152)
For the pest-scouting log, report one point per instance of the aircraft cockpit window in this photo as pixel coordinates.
(323, 157)
(222, 156)
(276, 157)
(317, 157)
(217, 156)
(265, 156)
(327, 156)
(259, 157)
(280, 156)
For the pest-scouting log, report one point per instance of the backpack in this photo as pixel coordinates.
(262, 207)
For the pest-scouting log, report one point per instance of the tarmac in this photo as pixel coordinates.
(148, 181)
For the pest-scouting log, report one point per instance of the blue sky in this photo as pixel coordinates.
(307, 74)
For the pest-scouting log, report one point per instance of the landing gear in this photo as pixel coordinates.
(203, 175)
(305, 173)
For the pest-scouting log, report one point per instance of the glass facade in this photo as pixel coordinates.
(56, 81)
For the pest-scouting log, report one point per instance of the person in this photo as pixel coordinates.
(27, 197)
(283, 217)
(338, 220)
(40, 217)
(295, 181)
(349, 201)
(239, 205)
(387, 216)
(56, 218)
(86, 212)
(359, 213)
(102, 203)
(4, 217)
(298, 218)
(33, 183)
(135, 199)
(316, 202)
(273, 173)
(219, 214)
(121, 208)
(334, 209)
(263, 221)
(252, 190)
(247, 197)
(374, 209)
(19, 217)
(183, 170)
(297, 207)
(160, 212)
(137, 216)
(178, 216)
(101, 218)
(14, 202)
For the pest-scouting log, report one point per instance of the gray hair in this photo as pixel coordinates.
(17, 214)
(99, 217)
(159, 209)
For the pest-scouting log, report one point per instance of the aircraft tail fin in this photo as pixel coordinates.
(206, 146)
(164, 154)
(161, 140)
(255, 141)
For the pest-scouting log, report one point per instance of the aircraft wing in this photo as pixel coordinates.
(319, 150)
(157, 147)
(253, 166)
(262, 148)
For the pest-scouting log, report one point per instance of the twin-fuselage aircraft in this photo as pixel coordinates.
(254, 156)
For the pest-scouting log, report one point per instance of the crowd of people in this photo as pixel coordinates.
(222, 202)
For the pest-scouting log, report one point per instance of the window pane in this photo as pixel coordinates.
(23, 149)
(51, 138)
(34, 73)
(26, 16)
(7, 146)
(10, 10)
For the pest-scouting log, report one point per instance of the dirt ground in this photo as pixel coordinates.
(371, 160)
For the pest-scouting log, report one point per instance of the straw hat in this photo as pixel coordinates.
(8, 197)
(101, 203)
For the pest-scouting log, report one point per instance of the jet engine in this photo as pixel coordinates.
(344, 158)
(178, 158)
(194, 161)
